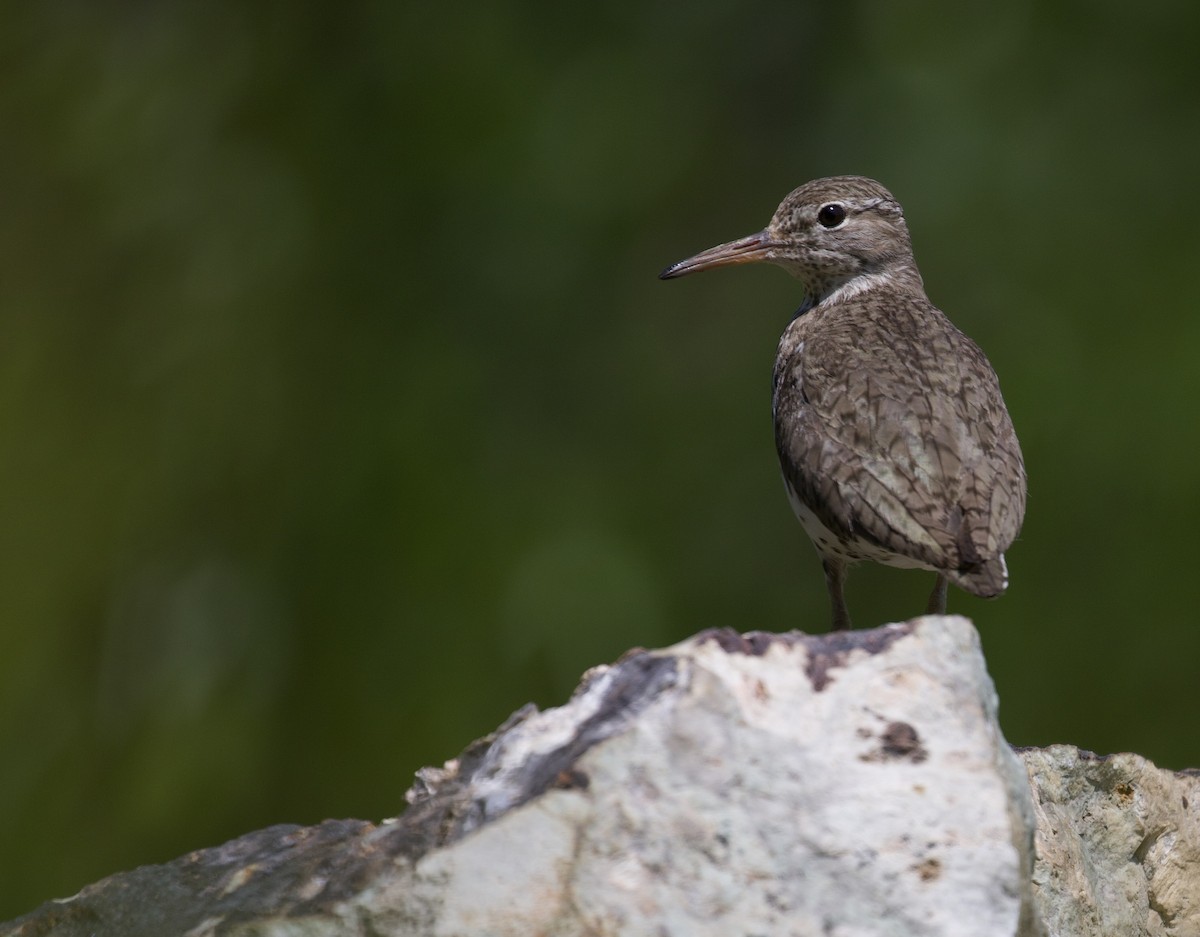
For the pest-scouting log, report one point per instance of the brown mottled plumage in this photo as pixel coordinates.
(894, 440)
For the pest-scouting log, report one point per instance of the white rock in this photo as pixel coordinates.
(841, 785)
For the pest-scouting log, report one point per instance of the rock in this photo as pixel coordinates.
(854, 783)
(847, 784)
(1118, 843)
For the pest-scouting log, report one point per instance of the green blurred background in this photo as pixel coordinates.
(341, 412)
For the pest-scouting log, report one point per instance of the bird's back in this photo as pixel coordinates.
(892, 431)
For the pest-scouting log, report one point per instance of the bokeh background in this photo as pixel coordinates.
(341, 412)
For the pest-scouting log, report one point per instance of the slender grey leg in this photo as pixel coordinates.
(937, 598)
(835, 580)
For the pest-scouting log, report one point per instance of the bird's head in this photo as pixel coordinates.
(825, 233)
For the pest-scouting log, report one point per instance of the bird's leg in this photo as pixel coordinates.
(937, 598)
(835, 580)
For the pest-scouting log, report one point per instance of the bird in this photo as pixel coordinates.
(893, 438)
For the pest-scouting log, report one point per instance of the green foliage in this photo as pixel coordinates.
(341, 412)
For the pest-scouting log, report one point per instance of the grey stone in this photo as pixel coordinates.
(1118, 843)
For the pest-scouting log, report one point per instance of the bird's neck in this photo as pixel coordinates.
(896, 276)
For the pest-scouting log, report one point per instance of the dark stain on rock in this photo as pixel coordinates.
(826, 652)
(929, 870)
(898, 741)
(571, 779)
(752, 643)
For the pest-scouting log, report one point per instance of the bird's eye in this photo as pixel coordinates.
(831, 215)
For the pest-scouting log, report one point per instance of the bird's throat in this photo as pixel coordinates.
(856, 286)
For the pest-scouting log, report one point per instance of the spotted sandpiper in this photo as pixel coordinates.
(893, 438)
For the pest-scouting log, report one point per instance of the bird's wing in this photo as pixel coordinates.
(891, 428)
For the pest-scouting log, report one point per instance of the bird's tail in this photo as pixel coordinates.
(987, 579)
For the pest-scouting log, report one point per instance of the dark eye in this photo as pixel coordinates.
(831, 215)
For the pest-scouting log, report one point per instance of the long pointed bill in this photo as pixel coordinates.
(746, 250)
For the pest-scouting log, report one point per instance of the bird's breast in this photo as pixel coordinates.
(788, 382)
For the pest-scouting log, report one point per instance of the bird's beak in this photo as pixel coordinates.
(745, 250)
